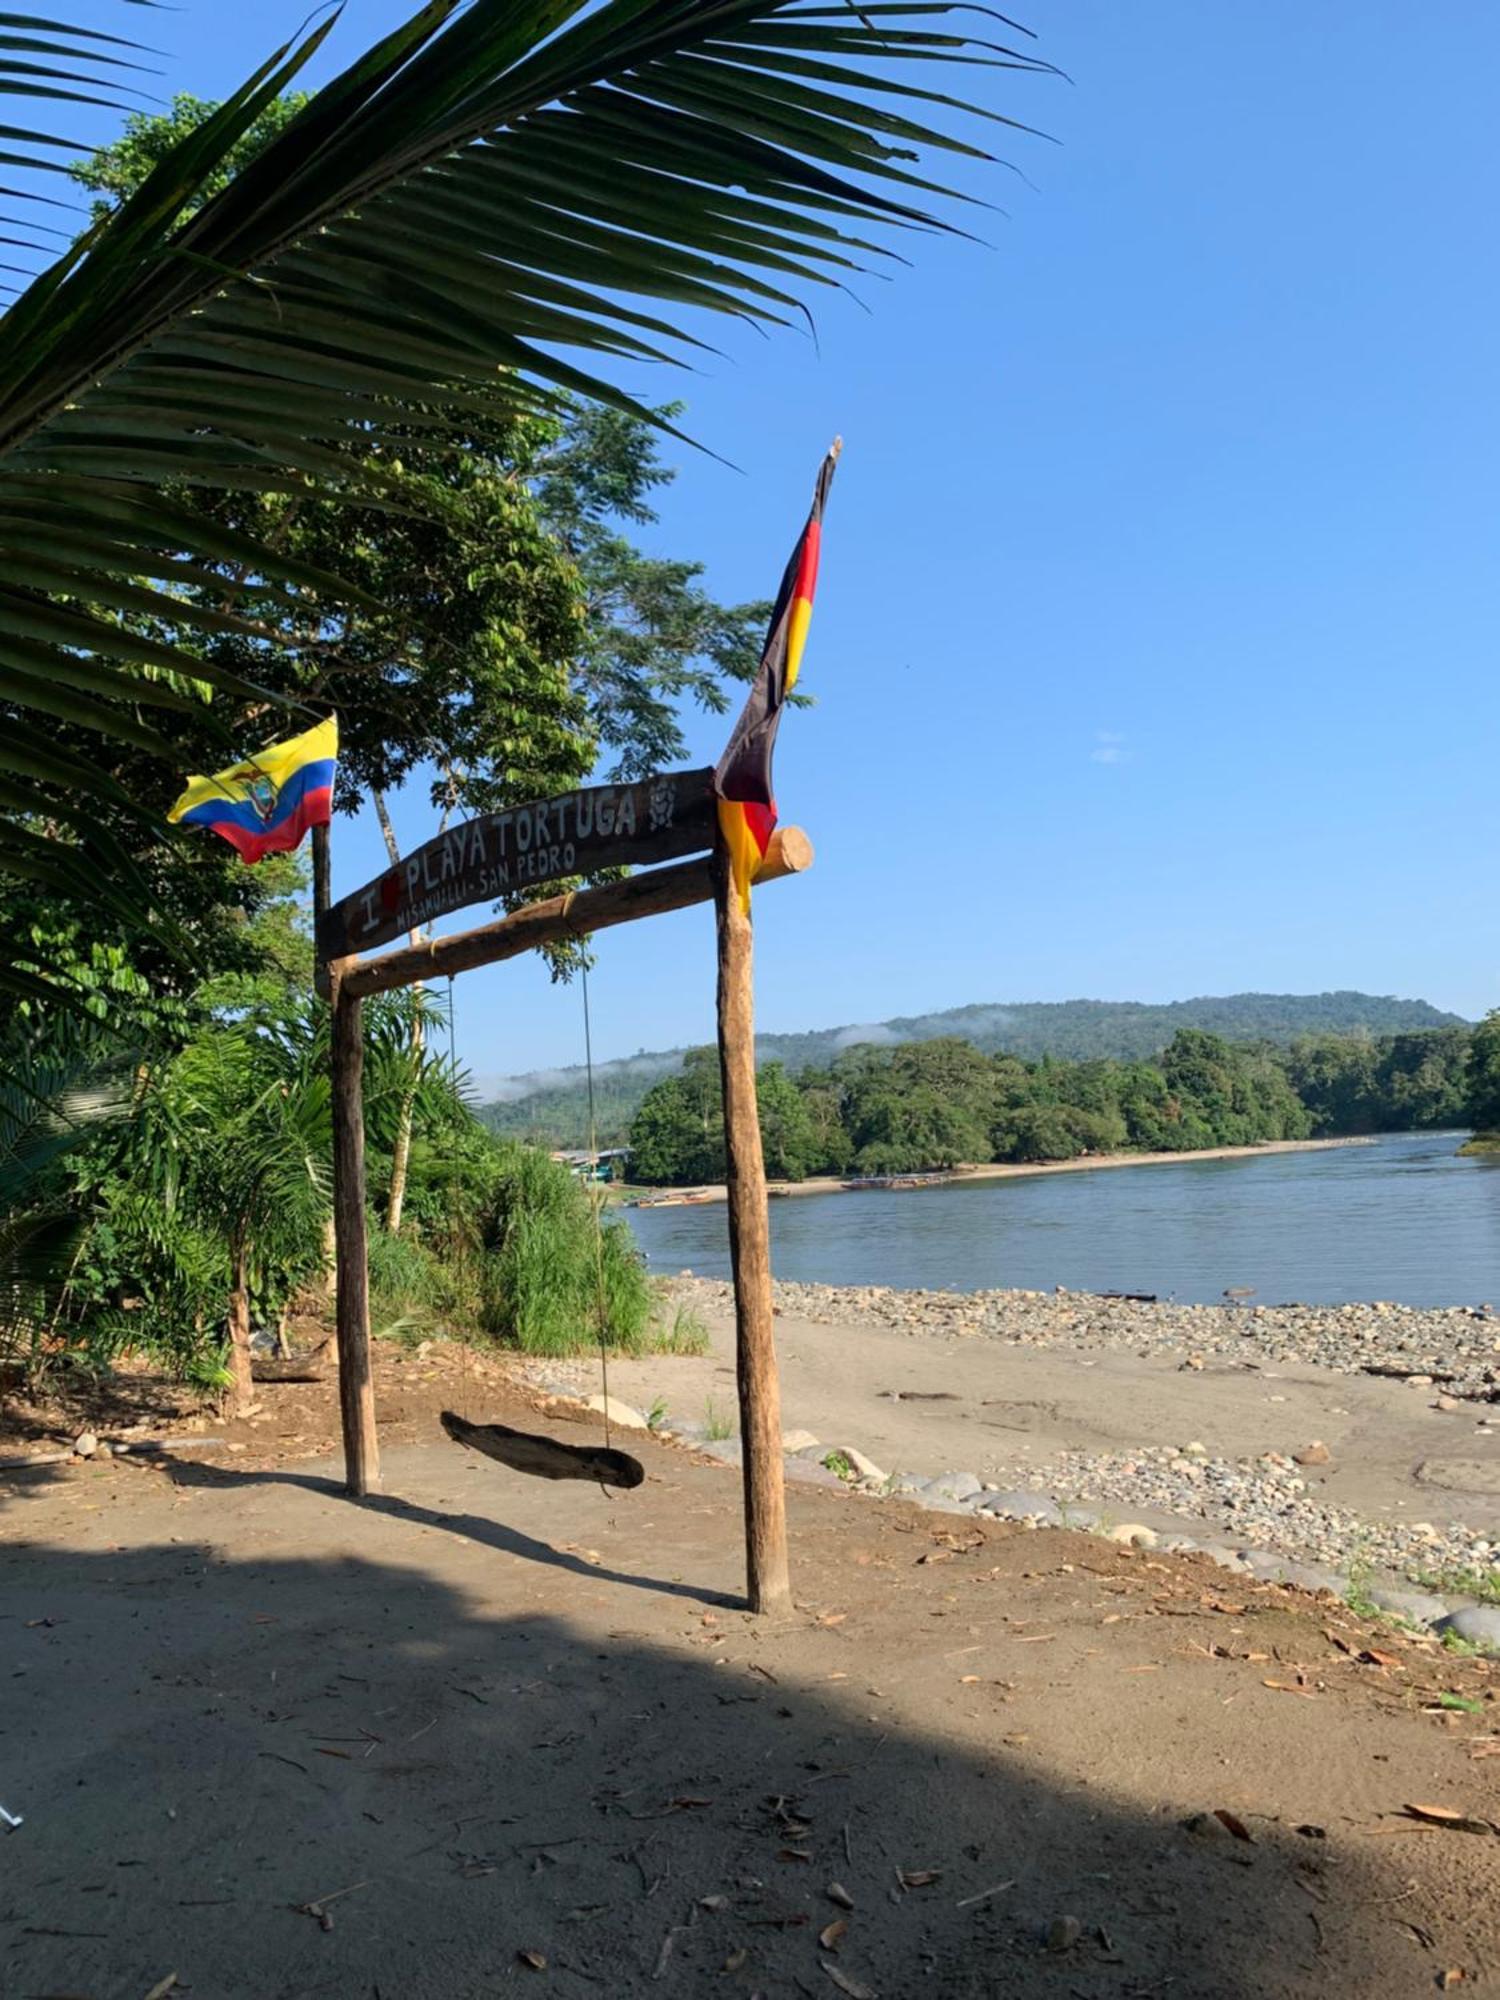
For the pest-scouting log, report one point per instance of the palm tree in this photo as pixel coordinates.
(494, 204)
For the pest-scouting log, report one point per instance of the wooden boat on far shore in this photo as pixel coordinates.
(882, 1183)
(677, 1198)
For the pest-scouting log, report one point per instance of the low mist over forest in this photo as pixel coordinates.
(551, 1107)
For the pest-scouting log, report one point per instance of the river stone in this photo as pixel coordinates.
(1316, 1453)
(1019, 1506)
(624, 1416)
(859, 1465)
(1226, 1558)
(798, 1441)
(1262, 1563)
(940, 1503)
(1312, 1576)
(1131, 1534)
(808, 1473)
(1085, 1519)
(1461, 1475)
(728, 1451)
(1478, 1623)
(954, 1486)
(1419, 1607)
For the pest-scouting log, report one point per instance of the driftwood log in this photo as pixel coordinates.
(309, 1367)
(544, 1457)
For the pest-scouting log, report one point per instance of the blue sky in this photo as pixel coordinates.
(1154, 653)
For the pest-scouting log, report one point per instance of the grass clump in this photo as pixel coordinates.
(552, 1268)
(717, 1422)
(687, 1335)
(1483, 1585)
(1357, 1591)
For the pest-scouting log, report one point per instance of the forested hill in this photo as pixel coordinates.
(550, 1106)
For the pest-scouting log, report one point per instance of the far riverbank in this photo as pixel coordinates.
(997, 1170)
(1401, 1217)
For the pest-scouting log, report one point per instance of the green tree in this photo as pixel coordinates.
(788, 1136)
(1483, 1099)
(677, 1136)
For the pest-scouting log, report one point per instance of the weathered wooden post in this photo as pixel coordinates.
(356, 1382)
(768, 1580)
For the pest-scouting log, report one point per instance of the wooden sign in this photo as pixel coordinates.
(487, 859)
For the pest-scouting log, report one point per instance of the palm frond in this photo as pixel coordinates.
(496, 203)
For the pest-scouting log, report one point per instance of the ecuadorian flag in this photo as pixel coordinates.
(747, 802)
(265, 805)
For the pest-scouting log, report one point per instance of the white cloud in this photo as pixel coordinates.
(1109, 748)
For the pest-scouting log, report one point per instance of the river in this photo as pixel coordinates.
(1404, 1219)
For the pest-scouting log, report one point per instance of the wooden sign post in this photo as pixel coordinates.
(768, 1583)
(655, 820)
(351, 1246)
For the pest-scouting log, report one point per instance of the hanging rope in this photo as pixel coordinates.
(452, 1048)
(596, 1202)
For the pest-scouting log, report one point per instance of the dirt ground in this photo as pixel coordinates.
(483, 1735)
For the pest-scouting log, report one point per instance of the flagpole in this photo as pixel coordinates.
(768, 1583)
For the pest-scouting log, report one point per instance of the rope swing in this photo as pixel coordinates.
(525, 1451)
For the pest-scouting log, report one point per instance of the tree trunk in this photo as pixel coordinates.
(241, 1391)
(401, 1151)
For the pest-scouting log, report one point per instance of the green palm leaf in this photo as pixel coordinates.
(496, 203)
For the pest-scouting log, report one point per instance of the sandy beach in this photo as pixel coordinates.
(483, 1735)
(999, 1170)
(1092, 1404)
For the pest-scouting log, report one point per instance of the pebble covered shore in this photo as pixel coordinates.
(1458, 1347)
(1255, 1515)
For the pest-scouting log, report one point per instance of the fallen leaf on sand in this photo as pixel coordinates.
(830, 1937)
(1286, 1687)
(1371, 1657)
(837, 1893)
(713, 1902)
(967, 1680)
(855, 1988)
(162, 1987)
(1453, 1976)
(735, 1960)
(534, 1959)
(1234, 1823)
(919, 1878)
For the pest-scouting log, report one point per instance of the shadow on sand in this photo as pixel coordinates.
(207, 1749)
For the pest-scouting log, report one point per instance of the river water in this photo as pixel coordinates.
(1403, 1219)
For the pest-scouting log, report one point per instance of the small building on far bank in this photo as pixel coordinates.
(606, 1165)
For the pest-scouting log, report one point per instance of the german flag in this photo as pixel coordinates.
(747, 801)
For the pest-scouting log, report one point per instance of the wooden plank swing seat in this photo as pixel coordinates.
(545, 1457)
